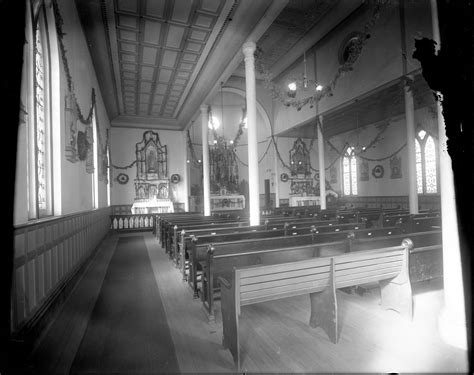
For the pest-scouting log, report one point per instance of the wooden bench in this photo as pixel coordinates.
(404, 218)
(318, 277)
(198, 252)
(201, 243)
(168, 226)
(222, 264)
(425, 257)
(185, 236)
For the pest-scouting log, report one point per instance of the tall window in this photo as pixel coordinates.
(40, 140)
(95, 174)
(108, 176)
(349, 171)
(426, 169)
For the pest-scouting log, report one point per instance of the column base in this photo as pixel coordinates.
(452, 328)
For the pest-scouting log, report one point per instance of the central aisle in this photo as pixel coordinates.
(127, 330)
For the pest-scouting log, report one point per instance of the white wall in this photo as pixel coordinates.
(73, 184)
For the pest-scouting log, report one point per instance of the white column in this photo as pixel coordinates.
(411, 151)
(277, 174)
(452, 320)
(205, 162)
(322, 165)
(254, 190)
(186, 173)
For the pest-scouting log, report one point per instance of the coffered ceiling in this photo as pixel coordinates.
(159, 46)
(157, 61)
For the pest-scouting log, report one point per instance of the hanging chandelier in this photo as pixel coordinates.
(302, 83)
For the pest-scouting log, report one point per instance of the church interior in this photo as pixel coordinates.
(234, 186)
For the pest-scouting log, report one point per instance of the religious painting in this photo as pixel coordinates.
(82, 145)
(363, 170)
(333, 174)
(395, 167)
(224, 170)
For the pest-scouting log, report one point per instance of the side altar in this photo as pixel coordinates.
(152, 185)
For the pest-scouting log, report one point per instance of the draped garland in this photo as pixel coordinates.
(355, 51)
(73, 110)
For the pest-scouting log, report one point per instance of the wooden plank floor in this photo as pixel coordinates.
(275, 336)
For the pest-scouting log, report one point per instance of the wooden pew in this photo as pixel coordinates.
(222, 264)
(318, 277)
(167, 226)
(390, 219)
(163, 219)
(185, 236)
(425, 264)
(198, 253)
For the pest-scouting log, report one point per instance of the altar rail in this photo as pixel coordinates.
(49, 255)
(132, 222)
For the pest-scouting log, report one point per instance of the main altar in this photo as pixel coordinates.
(152, 185)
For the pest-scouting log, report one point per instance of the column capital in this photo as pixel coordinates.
(248, 48)
(204, 107)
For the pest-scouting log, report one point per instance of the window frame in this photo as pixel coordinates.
(422, 144)
(40, 25)
(350, 156)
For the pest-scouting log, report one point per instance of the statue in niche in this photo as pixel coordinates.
(152, 192)
(151, 160)
(163, 191)
(299, 159)
(141, 192)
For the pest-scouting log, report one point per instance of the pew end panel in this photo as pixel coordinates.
(230, 318)
(324, 308)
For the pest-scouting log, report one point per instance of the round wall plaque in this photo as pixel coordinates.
(175, 178)
(284, 177)
(122, 178)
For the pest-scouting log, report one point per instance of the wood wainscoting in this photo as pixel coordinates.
(49, 257)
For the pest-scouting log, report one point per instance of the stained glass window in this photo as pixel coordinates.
(40, 121)
(426, 167)
(419, 168)
(40, 171)
(349, 170)
(430, 166)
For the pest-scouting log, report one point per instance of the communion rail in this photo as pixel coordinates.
(132, 222)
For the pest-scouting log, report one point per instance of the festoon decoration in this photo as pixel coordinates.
(78, 127)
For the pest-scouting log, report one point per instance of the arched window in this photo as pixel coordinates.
(40, 176)
(426, 166)
(349, 171)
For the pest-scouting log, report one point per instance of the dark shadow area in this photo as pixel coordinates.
(449, 71)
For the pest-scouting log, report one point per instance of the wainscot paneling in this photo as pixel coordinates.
(49, 255)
